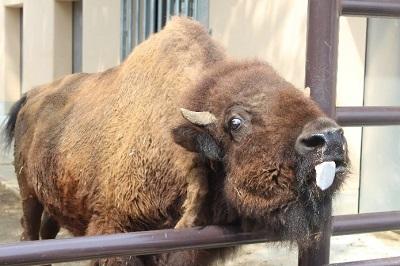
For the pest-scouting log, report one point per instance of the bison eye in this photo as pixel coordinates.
(235, 123)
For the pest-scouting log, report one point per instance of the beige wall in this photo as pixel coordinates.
(62, 42)
(101, 34)
(47, 41)
(275, 31)
(2, 54)
(46, 49)
(265, 29)
(10, 53)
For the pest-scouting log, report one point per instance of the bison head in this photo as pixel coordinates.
(282, 158)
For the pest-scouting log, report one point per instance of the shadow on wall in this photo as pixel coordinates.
(271, 30)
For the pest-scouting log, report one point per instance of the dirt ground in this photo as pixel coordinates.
(10, 214)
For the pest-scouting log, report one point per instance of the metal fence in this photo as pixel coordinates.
(321, 69)
(322, 44)
(158, 241)
(141, 18)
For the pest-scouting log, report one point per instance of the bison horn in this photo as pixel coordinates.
(198, 118)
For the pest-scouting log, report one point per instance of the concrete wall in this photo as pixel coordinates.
(47, 42)
(43, 32)
(101, 34)
(265, 29)
(10, 55)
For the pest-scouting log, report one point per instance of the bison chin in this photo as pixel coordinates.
(294, 210)
(301, 220)
(312, 207)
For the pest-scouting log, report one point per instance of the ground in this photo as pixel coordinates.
(343, 248)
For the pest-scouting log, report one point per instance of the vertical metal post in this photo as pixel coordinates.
(137, 22)
(168, 10)
(318, 253)
(202, 12)
(321, 68)
(145, 25)
(186, 8)
(177, 7)
(77, 7)
(151, 17)
(160, 14)
(322, 45)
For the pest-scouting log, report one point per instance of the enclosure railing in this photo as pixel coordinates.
(158, 241)
(321, 68)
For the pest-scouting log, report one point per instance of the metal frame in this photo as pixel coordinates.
(141, 18)
(378, 262)
(321, 69)
(77, 36)
(322, 44)
(158, 241)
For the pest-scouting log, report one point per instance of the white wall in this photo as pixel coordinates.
(380, 183)
(47, 41)
(10, 55)
(101, 34)
(266, 29)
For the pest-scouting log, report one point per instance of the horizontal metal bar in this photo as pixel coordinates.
(158, 241)
(365, 223)
(376, 262)
(138, 243)
(373, 8)
(368, 116)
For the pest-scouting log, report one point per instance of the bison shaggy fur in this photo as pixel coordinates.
(110, 152)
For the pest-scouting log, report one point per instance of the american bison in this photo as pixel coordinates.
(113, 152)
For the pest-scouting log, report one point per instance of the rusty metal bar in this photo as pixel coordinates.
(138, 243)
(321, 69)
(322, 46)
(375, 8)
(153, 242)
(377, 262)
(368, 115)
(365, 223)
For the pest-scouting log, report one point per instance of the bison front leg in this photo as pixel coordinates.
(197, 189)
(119, 261)
(188, 257)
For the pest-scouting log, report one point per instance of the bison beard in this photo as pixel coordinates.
(114, 152)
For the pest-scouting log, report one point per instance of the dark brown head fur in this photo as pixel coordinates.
(265, 180)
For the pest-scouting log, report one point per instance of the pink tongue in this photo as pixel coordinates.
(325, 174)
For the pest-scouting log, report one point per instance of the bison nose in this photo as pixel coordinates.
(328, 139)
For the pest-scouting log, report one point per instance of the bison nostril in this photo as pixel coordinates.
(313, 141)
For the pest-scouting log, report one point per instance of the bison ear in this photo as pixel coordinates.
(196, 139)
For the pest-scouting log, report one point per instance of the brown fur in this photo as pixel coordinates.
(96, 152)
